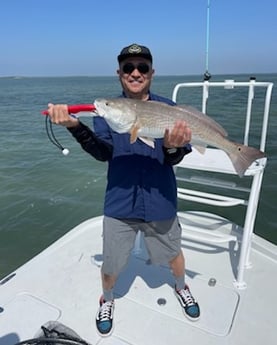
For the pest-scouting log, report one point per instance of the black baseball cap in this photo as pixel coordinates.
(135, 50)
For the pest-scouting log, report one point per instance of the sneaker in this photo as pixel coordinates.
(189, 305)
(104, 317)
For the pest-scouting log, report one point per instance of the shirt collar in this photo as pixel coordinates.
(125, 96)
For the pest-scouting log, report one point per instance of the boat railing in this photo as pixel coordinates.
(214, 170)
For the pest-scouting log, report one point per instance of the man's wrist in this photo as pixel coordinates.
(73, 124)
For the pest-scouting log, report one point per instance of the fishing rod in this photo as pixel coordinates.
(207, 75)
(76, 110)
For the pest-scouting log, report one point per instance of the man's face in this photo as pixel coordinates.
(135, 74)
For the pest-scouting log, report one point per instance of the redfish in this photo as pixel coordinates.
(150, 119)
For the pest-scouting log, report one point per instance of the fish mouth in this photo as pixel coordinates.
(99, 109)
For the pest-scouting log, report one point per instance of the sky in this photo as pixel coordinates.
(84, 37)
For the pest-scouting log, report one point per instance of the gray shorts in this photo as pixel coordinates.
(162, 240)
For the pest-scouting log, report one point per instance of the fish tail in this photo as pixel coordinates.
(243, 157)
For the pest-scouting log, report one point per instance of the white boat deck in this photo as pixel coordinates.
(62, 283)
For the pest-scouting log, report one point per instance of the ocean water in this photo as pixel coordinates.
(44, 194)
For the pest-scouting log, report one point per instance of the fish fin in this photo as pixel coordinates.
(134, 133)
(148, 141)
(200, 149)
(243, 157)
(199, 145)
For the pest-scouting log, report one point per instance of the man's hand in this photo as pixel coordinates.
(59, 115)
(179, 136)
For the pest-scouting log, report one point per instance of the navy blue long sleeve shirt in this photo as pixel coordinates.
(141, 182)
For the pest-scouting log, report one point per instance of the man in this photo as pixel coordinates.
(141, 192)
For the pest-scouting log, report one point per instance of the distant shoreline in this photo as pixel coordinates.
(157, 75)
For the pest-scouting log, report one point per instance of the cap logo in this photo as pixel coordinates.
(134, 49)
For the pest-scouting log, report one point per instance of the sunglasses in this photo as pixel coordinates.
(130, 67)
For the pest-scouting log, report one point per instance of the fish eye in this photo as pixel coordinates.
(107, 103)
